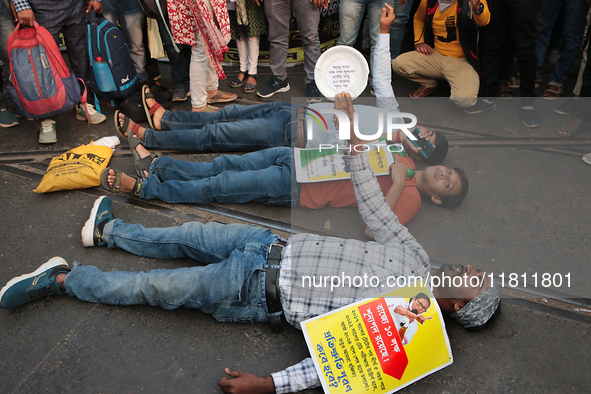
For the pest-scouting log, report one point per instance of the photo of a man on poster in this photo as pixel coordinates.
(406, 314)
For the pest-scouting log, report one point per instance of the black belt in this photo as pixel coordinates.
(272, 285)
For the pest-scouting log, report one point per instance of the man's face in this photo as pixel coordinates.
(440, 181)
(421, 305)
(472, 281)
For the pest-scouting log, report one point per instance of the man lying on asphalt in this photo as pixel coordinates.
(254, 276)
(266, 176)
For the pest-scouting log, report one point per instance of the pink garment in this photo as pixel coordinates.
(189, 16)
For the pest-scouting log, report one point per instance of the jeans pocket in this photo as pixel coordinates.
(249, 303)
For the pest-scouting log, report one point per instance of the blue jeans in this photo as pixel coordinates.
(574, 31)
(132, 19)
(351, 14)
(398, 27)
(231, 287)
(234, 128)
(263, 176)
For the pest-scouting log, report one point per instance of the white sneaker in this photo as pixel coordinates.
(48, 132)
(587, 158)
(95, 117)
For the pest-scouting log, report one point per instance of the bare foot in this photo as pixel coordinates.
(423, 91)
(157, 117)
(139, 132)
(127, 182)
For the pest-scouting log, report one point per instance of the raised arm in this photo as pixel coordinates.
(374, 210)
(382, 64)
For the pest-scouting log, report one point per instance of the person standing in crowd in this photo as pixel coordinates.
(204, 25)
(66, 17)
(308, 17)
(132, 20)
(446, 43)
(573, 33)
(247, 24)
(351, 14)
(7, 118)
(519, 18)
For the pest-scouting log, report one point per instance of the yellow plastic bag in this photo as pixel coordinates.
(78, 168)
(154, 40)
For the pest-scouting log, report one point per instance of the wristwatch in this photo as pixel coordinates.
(480, 10)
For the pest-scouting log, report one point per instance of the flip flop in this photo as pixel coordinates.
(134, 129)
(141, 165)
(570, 129)
(149, 111)
(116, 188)
(217, 98)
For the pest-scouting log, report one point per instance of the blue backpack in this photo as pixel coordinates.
(113, 70)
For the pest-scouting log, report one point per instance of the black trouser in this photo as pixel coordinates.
(517, 17)
(69, 18)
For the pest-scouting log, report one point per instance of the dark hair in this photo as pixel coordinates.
(424, 297)
(440, 152)
(489, 322)
(454, 200)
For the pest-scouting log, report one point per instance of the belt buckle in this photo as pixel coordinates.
(271, 255)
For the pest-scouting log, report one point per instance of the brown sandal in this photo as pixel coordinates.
(150, 111)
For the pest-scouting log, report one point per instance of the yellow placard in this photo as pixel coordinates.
(371, 346)
(319, 165)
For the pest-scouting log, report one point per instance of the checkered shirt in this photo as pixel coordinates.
(21, 5)
(395, 253)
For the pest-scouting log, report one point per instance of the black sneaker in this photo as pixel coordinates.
(530, 117)
(313, 94)
(92, 232)
(37, 284)
(481, 106)
(274, 85)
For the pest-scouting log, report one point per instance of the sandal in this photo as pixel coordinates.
(125, 134)
(149, 111)
(208, 109)
(237, 82)
(144, 164)
(116, 188)
(250, 87)
(570, 129)
(514, 82)
(423, 91)
(553, 94)
(217, 98)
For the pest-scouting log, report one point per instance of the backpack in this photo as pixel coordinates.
(112, 68)
(42, 84)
